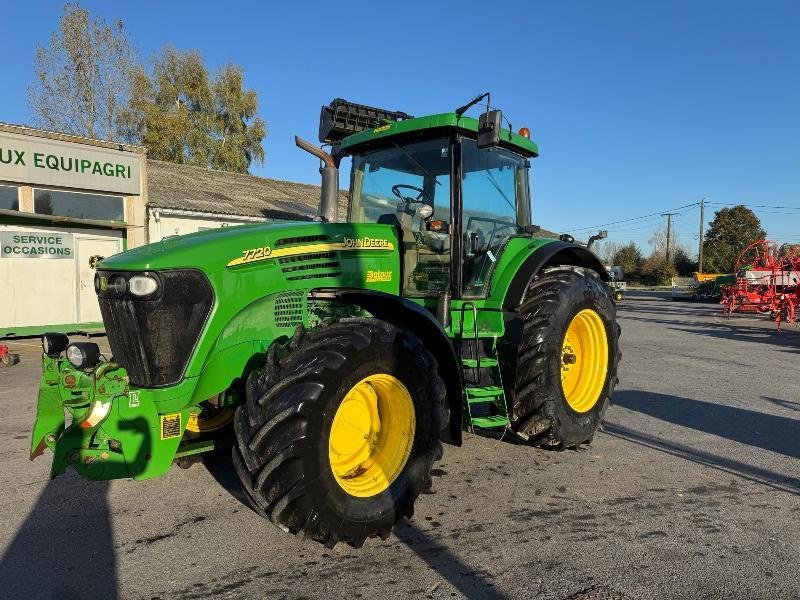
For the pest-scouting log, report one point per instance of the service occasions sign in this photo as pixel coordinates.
(26, 244)
(35, 160)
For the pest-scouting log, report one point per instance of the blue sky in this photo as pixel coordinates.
(637, 107)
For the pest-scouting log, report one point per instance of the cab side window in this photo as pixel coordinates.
(493, 200)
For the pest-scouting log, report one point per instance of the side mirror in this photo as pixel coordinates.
(489, 129)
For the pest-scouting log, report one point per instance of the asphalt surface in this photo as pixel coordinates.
(692, 491)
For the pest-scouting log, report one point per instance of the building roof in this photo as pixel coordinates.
(185, 187)
(68, 137)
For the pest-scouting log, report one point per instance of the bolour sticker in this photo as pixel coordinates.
(171, 426)
(133, 399)
(375, 276)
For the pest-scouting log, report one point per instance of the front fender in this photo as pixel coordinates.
(405, 313)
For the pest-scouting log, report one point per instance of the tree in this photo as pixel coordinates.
(684, 264)
(183, 116)
(657, 270)
(629, 257)
(83, 77)
(659, 241)
(606, 251)
(728, 234)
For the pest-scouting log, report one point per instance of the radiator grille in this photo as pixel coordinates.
(153, 339)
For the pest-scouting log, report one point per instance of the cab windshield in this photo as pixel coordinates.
(392, 183)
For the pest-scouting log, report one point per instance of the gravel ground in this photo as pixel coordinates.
(691, 491)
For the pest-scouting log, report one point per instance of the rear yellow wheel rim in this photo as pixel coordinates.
(371, 435)
(584, 360)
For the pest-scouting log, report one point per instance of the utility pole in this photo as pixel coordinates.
(669, 230)
(700, 253)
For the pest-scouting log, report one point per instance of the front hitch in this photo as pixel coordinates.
(110, 431)
(86, 398)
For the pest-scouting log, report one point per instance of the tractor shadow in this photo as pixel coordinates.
(470, 581)
(760, 430)
(65, 546)
(752, 428)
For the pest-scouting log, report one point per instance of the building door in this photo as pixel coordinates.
(87, 250)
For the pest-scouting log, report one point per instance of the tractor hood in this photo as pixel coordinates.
(213, 249)
(217, 289)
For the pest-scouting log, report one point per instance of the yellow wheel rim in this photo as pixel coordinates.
(209, 421)
(371, 435)
(584, 360)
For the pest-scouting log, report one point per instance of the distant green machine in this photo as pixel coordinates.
(333, 357)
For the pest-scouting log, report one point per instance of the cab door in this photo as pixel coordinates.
(494, 207)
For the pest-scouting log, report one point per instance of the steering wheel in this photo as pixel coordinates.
(422, 195)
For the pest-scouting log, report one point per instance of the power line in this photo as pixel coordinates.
(754, 205)
(655, 214)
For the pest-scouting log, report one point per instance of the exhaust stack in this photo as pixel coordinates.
(329, 194)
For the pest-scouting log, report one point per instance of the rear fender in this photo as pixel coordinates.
(551, 254)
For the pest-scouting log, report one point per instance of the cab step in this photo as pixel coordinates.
(492, 421)
(472, 363)
(484, 401)
(488, 393)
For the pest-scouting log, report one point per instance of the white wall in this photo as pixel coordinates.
(162, 225)
(42, 291)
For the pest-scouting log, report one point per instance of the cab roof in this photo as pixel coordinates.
(508, 139)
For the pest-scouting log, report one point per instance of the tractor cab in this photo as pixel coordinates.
(455, 194)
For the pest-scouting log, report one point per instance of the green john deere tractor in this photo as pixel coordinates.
(335, 357)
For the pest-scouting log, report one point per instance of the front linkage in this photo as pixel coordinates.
(113, 431)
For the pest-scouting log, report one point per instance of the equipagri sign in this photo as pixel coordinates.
(34, 160)
(24, 244)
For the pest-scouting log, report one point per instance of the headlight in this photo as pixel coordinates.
(142, 285)
(82, 355)
(54, 344)
(117, 285)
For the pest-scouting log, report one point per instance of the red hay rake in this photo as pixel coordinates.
(767, 275)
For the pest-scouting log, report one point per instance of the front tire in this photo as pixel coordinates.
(338, 437)
(568, 358)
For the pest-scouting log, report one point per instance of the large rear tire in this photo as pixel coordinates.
(338, 437)
(568, 358)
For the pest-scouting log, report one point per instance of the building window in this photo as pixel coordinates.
(9, 197)
(78, 206)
